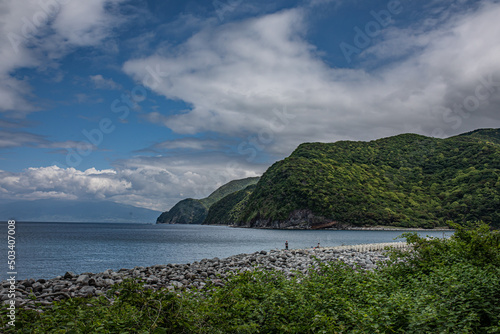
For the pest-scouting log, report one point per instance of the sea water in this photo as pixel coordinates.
(46, 250)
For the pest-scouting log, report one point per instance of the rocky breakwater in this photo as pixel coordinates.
(33, 293)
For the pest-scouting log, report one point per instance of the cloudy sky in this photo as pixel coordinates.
(146, 102)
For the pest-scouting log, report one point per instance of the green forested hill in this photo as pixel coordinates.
(407, 180)
(187, 211)
(492, 135)
(194, 211)
(228, 210)
(227, 189)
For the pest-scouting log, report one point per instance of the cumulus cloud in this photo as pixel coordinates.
(160, 182)
(235, 75)
(33, 183)
(151, 182)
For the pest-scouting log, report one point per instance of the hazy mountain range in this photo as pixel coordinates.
(50, 210)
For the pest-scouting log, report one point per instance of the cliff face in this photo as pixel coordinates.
(298, 219)
(406, 180)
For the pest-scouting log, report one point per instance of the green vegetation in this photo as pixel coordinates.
(228, 209)
(194, 211)
(403, 181)
(407, 180)
(227, 189)
(491, 135)
(442, 286)
(187, 211)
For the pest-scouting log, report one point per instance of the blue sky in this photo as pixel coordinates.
(148, 102)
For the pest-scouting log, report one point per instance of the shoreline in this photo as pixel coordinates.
(391, 228)
(353, 228)
(348, 228)
(33, 294)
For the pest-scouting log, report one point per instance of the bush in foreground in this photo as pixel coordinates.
(442, 286)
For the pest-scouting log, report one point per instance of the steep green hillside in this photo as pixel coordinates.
(227, 189)
(492, 135)
(187, 211)
(228, 210)
(407, 180)
(194, 211)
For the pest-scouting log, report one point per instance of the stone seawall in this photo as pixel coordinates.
(33, 293)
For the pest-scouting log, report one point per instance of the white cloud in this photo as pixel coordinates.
(335, 3)
(102, 83)
(154, 183)
(33, 183)
(39, 32)
(9, 139)
(235, 75)
(18, 139)
(160, 182)
(187, 144)
(260, 83)
(84, 23)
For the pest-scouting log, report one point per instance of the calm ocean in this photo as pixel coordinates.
(46, 250)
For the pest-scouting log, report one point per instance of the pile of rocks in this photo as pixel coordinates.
(32, 293)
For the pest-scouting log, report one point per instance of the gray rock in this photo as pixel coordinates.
(82, 279)
(28, 283)
(153, 279)
(176, 284)
(87, 291)
(187, 276)
(58, 287)
(69, 275)
(109, 282)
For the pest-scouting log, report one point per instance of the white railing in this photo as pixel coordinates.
(371, 247)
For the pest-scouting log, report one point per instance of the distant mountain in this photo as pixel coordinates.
(194, 211)
(49, 210)
(407, 180)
